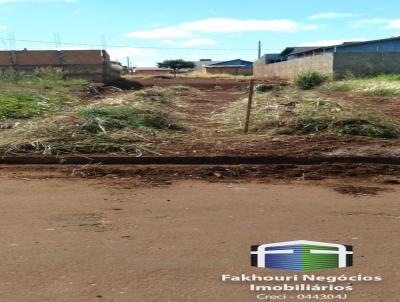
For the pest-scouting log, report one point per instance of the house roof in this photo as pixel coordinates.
(232, 63)
(345, 44)
(366, 42)
(219, 66)
(294, 50)
(273, 55)
(152, 69)
(203, 63)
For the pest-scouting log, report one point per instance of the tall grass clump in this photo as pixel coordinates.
(337, 86)
(368, 125)
(380, 91)
(19, 105)
(385, 78)
(311, 117)
(310, 79)
(43, 77)
(102, 119)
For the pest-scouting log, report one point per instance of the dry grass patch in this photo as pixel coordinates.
(287, 113)
(125, 123)
(384, 86)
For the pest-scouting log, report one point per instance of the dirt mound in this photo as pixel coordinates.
(360, 190)
(200, 83)
(125, 84)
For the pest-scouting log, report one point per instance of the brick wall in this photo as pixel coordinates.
(36, 57)
(86, 64)
(152, 72)
(51, 57)
(5, 58)
(86, 57)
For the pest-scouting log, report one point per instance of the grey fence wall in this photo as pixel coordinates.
(333, 64)
(289, 69)
(367, 63)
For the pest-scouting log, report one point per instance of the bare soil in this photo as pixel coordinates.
(79, 237)
(381, 105)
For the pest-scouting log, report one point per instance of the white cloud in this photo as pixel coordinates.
(123, 52)
(196, 42)
(120, 53)
(331, 15)
(235, 25)
(21, 1)
(3, 27)
(219, 25)
(189, 42)
(168, 42)
(330, 42)
(381, 22)
(171, 32)
(395, 24)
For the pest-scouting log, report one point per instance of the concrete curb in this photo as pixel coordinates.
(200, 160)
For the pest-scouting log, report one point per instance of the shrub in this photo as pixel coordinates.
(310, 79)
(263, 88)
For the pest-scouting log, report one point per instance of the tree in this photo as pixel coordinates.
(176, 65)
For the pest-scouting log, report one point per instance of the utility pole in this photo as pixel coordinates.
(128, 62)
(259, 49)
(12, 41)
(4, 44)
(248, 109)
(103, 42)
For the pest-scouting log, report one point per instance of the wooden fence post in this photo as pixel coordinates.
(247, 121)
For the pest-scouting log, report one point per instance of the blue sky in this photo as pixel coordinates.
(151, 31)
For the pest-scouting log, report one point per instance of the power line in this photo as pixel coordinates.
(12, 40)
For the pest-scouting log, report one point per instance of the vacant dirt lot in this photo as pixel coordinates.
(204, 116)
(109, 239)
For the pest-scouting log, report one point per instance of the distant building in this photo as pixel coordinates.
(199, 65)
(94, 65)
(233, 67)
(152, 71)
(356, 58)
